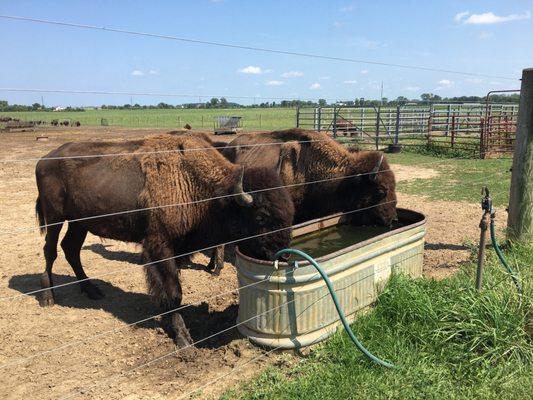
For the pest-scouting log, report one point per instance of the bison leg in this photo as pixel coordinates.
(163, 278)
(217, 261)
(50, 254)
(71, 245)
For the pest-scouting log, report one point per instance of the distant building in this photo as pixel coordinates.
(59, 108)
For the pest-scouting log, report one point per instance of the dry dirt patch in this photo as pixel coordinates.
(27, 330)
(409, 173)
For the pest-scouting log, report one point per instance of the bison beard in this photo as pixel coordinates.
(77, 188)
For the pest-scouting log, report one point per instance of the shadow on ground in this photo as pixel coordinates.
(130, 307)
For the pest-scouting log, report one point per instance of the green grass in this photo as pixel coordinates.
(458, 179)
(253, 118)
(448, 342)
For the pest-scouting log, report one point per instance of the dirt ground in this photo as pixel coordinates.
(98, 367)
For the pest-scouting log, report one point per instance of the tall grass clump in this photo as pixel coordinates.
(447, 339)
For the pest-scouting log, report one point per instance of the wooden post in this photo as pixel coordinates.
(298, 117)
(520, 220)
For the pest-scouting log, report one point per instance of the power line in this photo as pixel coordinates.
(250, 48)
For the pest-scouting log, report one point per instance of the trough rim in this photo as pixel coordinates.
(326, 257)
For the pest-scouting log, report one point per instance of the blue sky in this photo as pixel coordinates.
(488, 37)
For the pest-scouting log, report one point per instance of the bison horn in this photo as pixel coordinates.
(373, 174)
(242, 198)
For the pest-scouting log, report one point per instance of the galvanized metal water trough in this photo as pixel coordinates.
(288, 307)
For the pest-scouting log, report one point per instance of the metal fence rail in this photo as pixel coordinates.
(483, 129)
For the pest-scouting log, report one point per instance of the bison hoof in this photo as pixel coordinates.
(46, 299)
(92, 291)
(214, 268)
(182, 337)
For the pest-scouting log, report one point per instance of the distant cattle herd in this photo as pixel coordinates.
(9, 123)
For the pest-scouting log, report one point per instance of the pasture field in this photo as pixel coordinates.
(109, 366)
(252, 118)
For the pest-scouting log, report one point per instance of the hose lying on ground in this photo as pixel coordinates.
(340, 311)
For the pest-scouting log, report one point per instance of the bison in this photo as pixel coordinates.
(77, 189)
(348, 179)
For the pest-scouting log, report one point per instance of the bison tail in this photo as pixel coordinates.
(40, 216)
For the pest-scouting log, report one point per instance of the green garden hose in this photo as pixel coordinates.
(340, 311)
(514, 277)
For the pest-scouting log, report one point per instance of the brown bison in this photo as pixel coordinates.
(79, 188)
(199, 134)
(301, 157)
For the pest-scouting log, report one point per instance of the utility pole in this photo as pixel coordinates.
(520, 220)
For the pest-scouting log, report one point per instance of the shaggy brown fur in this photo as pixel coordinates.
(74, 188)
(306, 156)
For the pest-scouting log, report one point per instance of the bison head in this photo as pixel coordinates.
(265, 215)
(376, 189)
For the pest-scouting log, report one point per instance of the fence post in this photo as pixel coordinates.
(397, 131)
(448, 111)
(335, 122)
(377, 127)
(452, 141)
(297, 117)
(520, 220)
(319, 118)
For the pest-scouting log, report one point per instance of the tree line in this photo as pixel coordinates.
(214, 103)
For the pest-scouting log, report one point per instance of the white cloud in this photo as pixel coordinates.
(459, 16)
(274, 83)
(314, 86)
(137, 73)
(250, 69)
(292, 74)
(350, 82)
(413, 88)
(489, 18)
(153, 72)
(445, 82)
(364, 71)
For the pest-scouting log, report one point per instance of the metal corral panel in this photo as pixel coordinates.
(290, 307)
